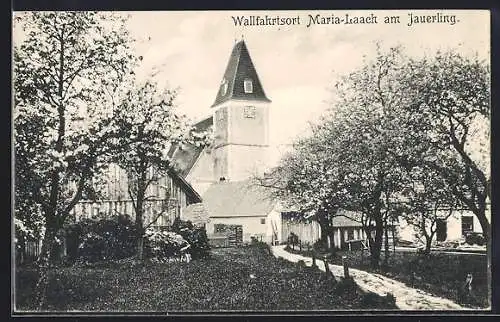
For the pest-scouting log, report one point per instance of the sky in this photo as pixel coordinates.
(297, 65)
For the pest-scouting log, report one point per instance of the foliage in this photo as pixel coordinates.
(196, 237)
(220, 283)
(104, 239)
(396, 124)
(475, 239)
(293, 239)
(426, 200)
(161, 244)
(147, 116)
(67, 71)
(345, 162)
(448, 124)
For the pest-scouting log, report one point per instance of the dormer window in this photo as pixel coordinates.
(223, 87)
(248, 86)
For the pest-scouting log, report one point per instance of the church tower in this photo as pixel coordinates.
(241, 120)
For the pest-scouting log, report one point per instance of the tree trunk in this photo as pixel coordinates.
(428, 244)
(140, 247)
(376, 246)
(485, 226)
(326, 228)
(386, 244)
(140, 230)
(40, 293)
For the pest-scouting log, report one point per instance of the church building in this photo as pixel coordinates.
(222, 173)
(215, 185)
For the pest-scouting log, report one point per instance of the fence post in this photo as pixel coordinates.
(327, 269)
(346, 267)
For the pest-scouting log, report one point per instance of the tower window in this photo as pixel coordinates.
(248, 86)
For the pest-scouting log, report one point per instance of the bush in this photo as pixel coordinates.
(475, 239)
(293, 239)
(160, 244)
(301, 264)
(262, 246)
(95, 240)
(195, 236)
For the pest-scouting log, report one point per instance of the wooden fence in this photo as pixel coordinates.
(168, 208)
(307, 232)
(29, 251)
(102, 209)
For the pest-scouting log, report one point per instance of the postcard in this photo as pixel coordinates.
(251, 161)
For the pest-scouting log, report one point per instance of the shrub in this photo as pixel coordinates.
(293, 239)
(263, 247)
(195, 236)
(255, 240)
(301, 264)
(475, 238)
(95, 240)
(161, 244)
(320, 247)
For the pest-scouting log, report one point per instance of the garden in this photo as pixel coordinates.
(229, 279)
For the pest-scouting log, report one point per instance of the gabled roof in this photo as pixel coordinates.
(191, 194)
(196, 213)
(184, 157)
(239, 68)
(237, 199)
(346, 218)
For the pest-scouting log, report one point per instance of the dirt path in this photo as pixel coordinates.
(407, 298)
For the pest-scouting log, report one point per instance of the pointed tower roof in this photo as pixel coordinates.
(240, 68)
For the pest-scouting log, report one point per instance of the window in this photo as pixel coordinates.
(263, 221)
(248, 86)
(467, 225)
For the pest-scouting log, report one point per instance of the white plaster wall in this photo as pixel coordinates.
(274, 219)
(251, 226)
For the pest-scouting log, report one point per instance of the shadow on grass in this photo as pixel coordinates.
(242, 279)
(441, 274)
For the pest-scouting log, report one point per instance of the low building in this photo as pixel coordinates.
(240, 211)
(348, 232)
(449, 228)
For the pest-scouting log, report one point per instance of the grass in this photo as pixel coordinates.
(440, 274)
(233, 279)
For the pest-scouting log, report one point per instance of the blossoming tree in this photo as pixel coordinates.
(68, 67)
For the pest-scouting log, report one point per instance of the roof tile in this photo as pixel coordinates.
(239, 68)
(236, 199)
